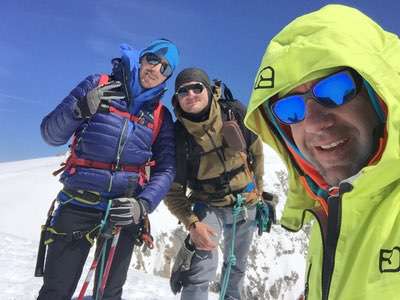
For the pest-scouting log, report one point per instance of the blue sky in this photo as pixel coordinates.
(48, 46)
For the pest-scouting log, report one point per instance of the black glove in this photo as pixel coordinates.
(271, 200)
(266, 214)
(183, 261)
(126, 211)
(100, 95)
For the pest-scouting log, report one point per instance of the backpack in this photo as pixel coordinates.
(188, 152)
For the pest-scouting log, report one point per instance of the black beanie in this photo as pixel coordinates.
(192, 74)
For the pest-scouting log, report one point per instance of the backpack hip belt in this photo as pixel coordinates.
(74, 161)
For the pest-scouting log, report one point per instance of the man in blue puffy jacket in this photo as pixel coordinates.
(119, 128)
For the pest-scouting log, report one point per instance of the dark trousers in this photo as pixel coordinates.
(66, 256)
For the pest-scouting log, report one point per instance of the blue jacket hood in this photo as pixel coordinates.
(131, 60)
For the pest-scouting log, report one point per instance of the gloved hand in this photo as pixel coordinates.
(266, 214)
(183, 261)
(88, 106)
(271, 200)
(126, 211)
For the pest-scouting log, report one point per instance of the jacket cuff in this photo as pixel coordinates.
(190, 220)
(145, 204)
(76, 112)
(260, 186)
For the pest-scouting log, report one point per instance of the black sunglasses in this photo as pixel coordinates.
(183, 91)
(153, 59)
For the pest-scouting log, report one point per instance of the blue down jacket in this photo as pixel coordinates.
(102, 137)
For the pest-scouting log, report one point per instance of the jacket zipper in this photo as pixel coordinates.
(332, 236)
(121, 144)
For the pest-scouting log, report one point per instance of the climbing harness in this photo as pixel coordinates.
(39, 269)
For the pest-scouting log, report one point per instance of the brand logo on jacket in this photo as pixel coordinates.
(389, 260)
(266, 79)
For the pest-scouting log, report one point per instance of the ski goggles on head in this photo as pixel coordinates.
(153, 59)
(332, 91)
(183, 91)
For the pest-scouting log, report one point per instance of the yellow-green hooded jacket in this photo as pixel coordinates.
(362, 260)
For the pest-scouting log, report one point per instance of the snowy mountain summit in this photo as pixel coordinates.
(276, 260)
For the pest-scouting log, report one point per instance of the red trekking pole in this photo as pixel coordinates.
(106, 232)
(92, 269)
(110, 258)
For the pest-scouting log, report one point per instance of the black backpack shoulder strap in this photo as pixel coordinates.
(188, 154)
(182, 153)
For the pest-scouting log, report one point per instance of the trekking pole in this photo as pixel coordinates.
(99, 251)
(96, 259)
(100, 292)
(104, 276)
(232, 258)
(42, 247)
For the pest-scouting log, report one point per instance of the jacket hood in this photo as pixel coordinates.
(130, 58)
(164, 48)
(311, 47)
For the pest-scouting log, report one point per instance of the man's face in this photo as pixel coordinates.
(194, 99)
(337, 141)
(149, 74)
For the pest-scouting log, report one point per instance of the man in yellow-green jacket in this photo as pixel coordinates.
(327, 99)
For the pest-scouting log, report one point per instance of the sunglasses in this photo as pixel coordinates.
(183, 91)
(153, 59)
(332, 91)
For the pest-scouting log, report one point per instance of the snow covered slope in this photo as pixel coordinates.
(17, 262)
(276, 261)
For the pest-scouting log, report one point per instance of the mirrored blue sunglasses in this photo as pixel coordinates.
(153, 59)
(332, 91)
